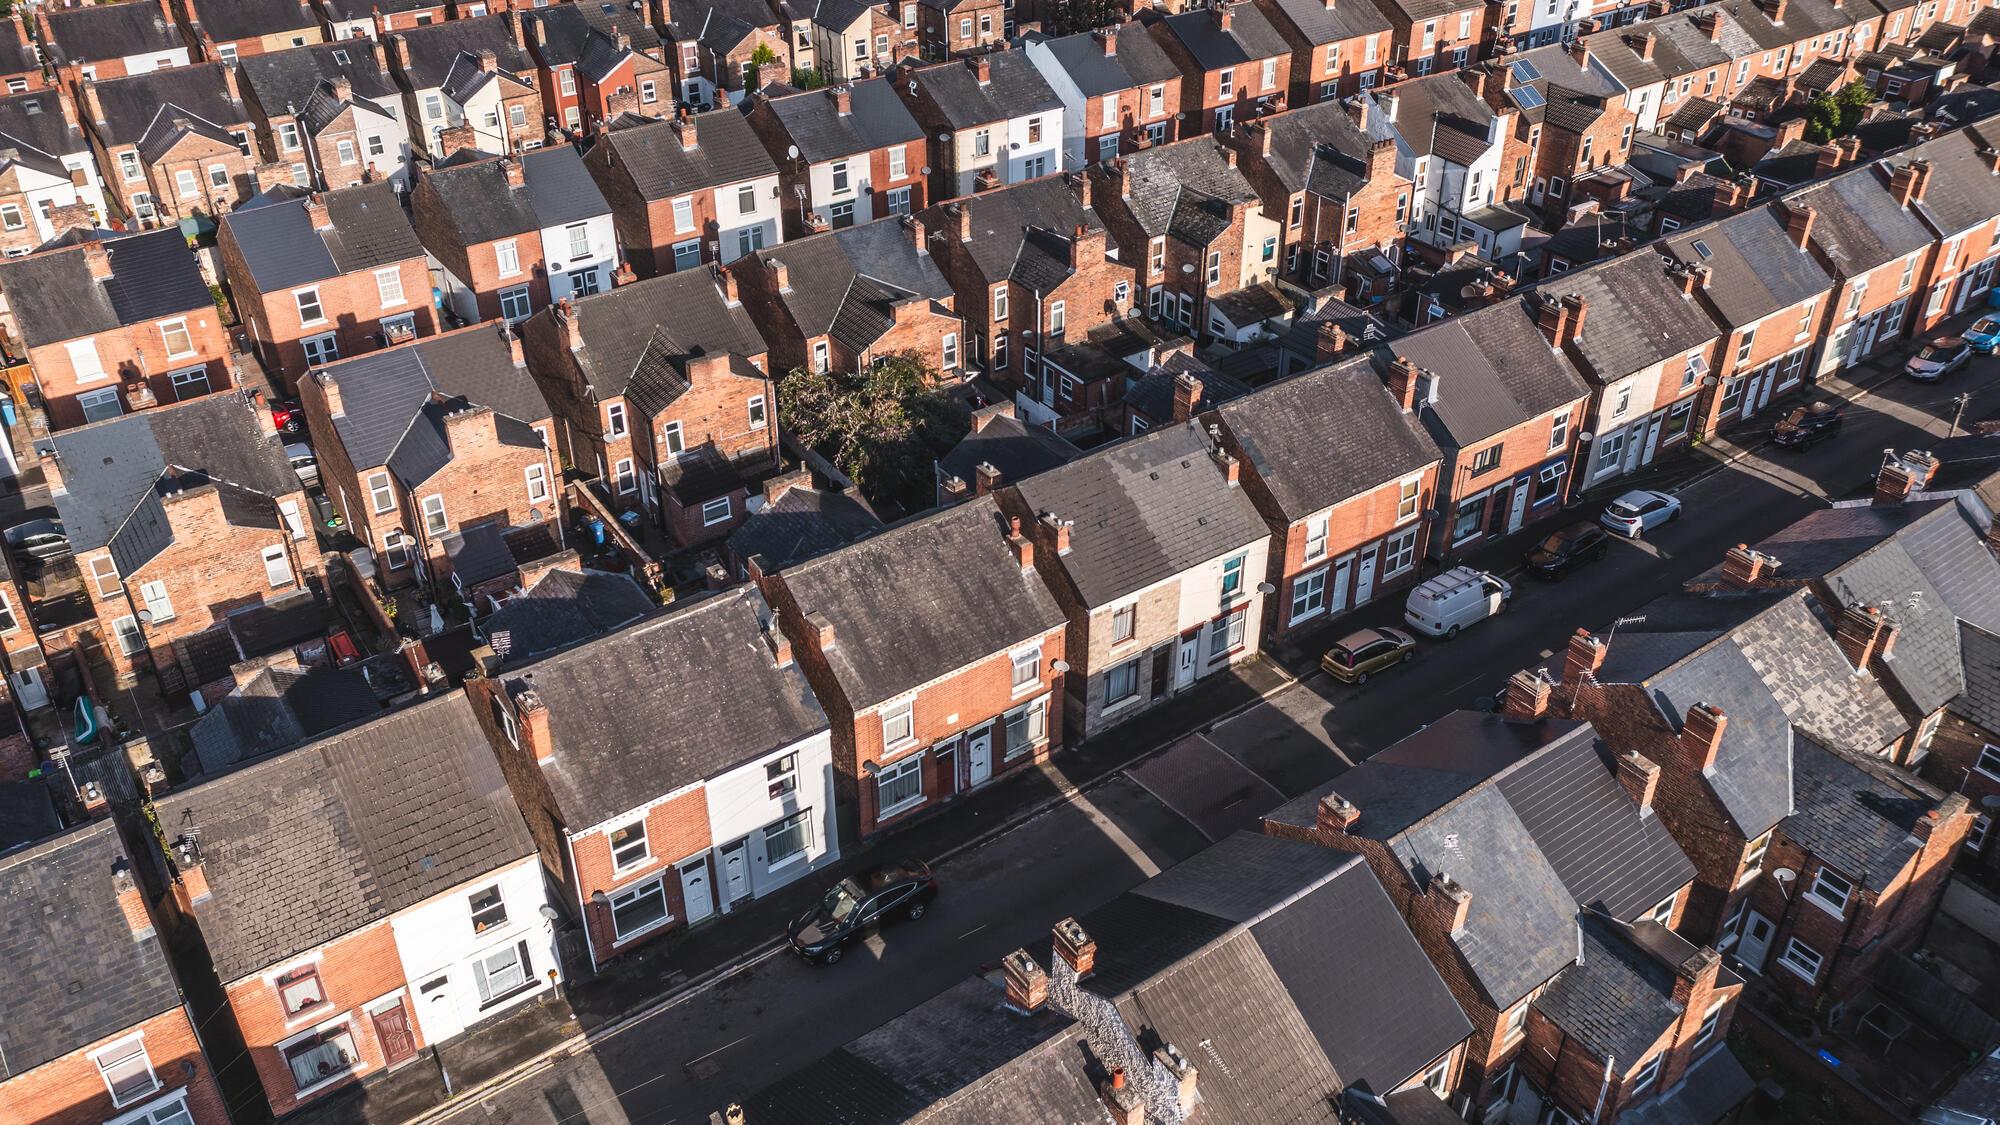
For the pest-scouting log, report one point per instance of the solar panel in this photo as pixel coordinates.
(1525, 71)
(1527, 97)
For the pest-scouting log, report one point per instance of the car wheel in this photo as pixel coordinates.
(1409, 654)
(916, 910)
(832, 956)
(1360, 679)
(1673, 515)
(1451, 634)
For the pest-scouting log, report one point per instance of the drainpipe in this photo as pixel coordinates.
(1603, 1090)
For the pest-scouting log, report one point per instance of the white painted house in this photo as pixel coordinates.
(995, 114)
(474, 952)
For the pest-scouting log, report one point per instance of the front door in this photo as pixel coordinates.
(1653, 438)
(1336, 585)
(696, 898)
(979, 756)
(30, 689)
(1755, 944)
(1364, 580)
(392, 1030)
(438, 1010)
(1161, 657)
(735, 872)
(1184, 660)
(1519, 511)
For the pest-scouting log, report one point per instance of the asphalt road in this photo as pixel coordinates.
(754, 1027)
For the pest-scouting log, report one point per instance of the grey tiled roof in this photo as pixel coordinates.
(1981, 701)
(555, 190)
(75, 974)
(115, 472)
(139, 106)
(1015, 89)
(1495, 370)
(1005, 223)
(1440, 113)
(34, 119)
(153, 276)
(1143, 511)
(91, 32)
(803, 523)
(323, 840)
(680, 679)
(669, 318)
(1139, 61)
(922, 599)
(1858, 223)
(1856, 815)
(27, 813)
(571, 30)
(877, 117)
(726, 152)
(1323, 22)
(871, 264)
(283, 250)
(565, 607)
(280, 707)
(1617, 1000)
(1753, 768)
(1151, 395)
(1319, 438)
(1758, 268)
(436, 48)
(1250, 37)
(245, 19)
(1715, 1084)
(284, 81)
(1794, 651)
(1636, 316)
(1010, 445)
(1186, 188)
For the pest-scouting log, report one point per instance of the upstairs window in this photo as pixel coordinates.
(489, 910)
(126, 1070)
(1831, 890)
(301, 991)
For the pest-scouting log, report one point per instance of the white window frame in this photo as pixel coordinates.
(275, 557)
(389, 287)
(672, 439)
(800, 823)
(1647, 1074)
(908, 767)
(507, 257)
(137, 1045)
(1308, 595)
(759, 415)
(654, 886)
(381, 493)
(899, 725)
(158, 601)
(1794, 945)
(716, 511)
(168, 328)
(631, 862)
(1831, 898)
(537, 479)
(1317, 529)
(309, 296)
(436, 522)
(1029, 660)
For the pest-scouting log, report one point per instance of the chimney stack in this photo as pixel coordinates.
(822, 627)
(1187, 396)
(687, 132)
(329, 389)
(1027, 981)
(1076, 948)
(532, 716)
(1640, 776)
(985, 479)
(267, 426)
(963, 215)
(1576, 306)
(1552, 317)
(1745, 569)
(982, 68)
(843, 100)
(1527, 697)
(1059, 530)
(1694, 979)
(1023, 547)
(1799, 223)
(1336, 815)
(1859, 633)
(1122, 1101)
(1404, 376)
(1329, 340)
(97, 260)
(1894, 482)
(316, 212)
(1701, 735)
(515, 173)
(1645, 46)
(131, 901)
(1107, 41)
(1449, 902)
(1907, 183)
(1922, 466)
(1582, 660)
(1224, 18)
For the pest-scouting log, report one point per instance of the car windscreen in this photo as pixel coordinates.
(1556, 544)
(842, 901)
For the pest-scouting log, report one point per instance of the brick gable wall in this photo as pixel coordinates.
(124, 354)
(71, 1091)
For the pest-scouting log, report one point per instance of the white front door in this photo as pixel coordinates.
(30, 689)
(1336, 585)
(1364, 583)
(1755, 944)
(735, 872)
(1520, 510)
(1184, 662)
(696, 898)
(979, 756)
(1653, 438)
(437, 1009)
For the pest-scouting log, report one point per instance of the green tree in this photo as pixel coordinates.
(1835, 113)
(883, 427)
(1067, 17)
(1853, 100)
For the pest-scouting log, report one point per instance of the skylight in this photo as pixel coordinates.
(1527, 97)
(1701, 248)
(1524, 71)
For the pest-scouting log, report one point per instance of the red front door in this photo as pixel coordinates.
(392, 1030)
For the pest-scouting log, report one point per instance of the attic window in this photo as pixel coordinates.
(33, 107)
(1702, 249)
(340, 56)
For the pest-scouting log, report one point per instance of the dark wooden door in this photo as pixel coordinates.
(392, 1029)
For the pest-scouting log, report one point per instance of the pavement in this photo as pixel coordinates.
(683, 1028)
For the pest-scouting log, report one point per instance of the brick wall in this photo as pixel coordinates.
(1953, 766)
(478, 264)
(676, 829)
(1524, 450)
(351, 304)
(124, 354)
(356, 969)
(70, 1090)
(484, 482)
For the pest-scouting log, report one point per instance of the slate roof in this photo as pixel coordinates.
(284, 251)
(1715, 1084)
(571, 30)
(1439, 113)
(1753, 772)
(140, 109)
(153, 276)
(1326, 435)
(1757, 268)
(35, 120)
(1981, 701)
(1139, 61)
(1495, 370)
(1185, 189)
(1144, 511)
(843, 281)
(247, 19)
(1014, 89)
(877, 118)
(923, 598)
(27, 814)
(1151, 395)
(436, 49)
(1322, 23)
(17, 54)
(556, 189)
(309, 845)
(1010, 445)
(1857, 815)
(75, 973)
(680, 679)
(1250, 37)
(564, 607)
(394, 401)
(1014, 229)
(278, 708)
(1617, 1000)
(726, 152)
(1858, 224)
(720, 25)
(116, 472)
(801, 524)
(1637, 316)
(626, 331)
(1320, 146)
(93, 32)
(1793, 649)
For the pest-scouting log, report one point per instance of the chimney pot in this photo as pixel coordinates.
(1582, 660)
(1187, 396)
(1027, 981)
(1451, 902)
(533, 719)
(1746, 569)
(1894, 482)
(1076, 948)
(985, 478)
(1336, 815)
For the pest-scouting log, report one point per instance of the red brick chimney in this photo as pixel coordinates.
(843, 100)
(131, 901)
(1799, 223)
(1583, 658)
(1746, 569)
(401, 47)
(267, 426)
(686, 132)
(1644, 47)
(329, 390)
(511, 168)
(532, 719)
(1076, 947)
(1329, 340)
(1907, 183)
(1381, 160)
(1023, 547)
(1640, 776)
(97, 260)
(1775, 9)
(982, 68)
(1576, 306)
(1710, 23)
(1694, 980)
(1027, 981)
(822, 630)
(963, 215)
(1403, 379)
(1923, 467)
(1552, 317)
(1527, 697)
(1336, 815)
(1701, 735)
(1448, 903)
(489, 62)
(1107, 40)
(1187, 396)
(1224, 18)
(1059, 531)
(1122, 1103)
(1894, 482)
(1859, 634)
(566, 319)
(985, 478)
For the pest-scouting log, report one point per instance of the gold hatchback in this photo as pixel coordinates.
(1363, 653)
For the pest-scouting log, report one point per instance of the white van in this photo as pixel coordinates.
(1458, 598)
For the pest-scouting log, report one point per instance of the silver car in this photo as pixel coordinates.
(40, 540)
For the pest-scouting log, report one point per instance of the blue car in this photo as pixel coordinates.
(1984, 336)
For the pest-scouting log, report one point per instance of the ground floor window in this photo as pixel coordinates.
(169, 1110)
(321, 349)
(1676, 426)
(786, 840)
(1469, 520)
(1308, 595)
(1802, 959)
(1121, 683)
(900, 786)
(515, 304)
(188, 384)
(102, 404)
(1226, 636)
(638, 909)
(687, 254)
(321, 1056)
(503, 973)
(1399, 553)
(1026, 727)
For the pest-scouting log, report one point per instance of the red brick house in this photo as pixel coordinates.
(327, 983)
(332, 112)
(662, 389)
(116, 324)
(1031, 266)
(1337, 48)
(1877, 247)
(951, 28)
(172, 143)
(321, 275)
(226, 30)
(839, 301)
(681, 804)
(1506, 463)
(1235, 66)
(1434, 35)
(1345, 207)
(105, 41)
(1949, 181)
(1573, 123)
(1343, 474)
(935, 649)
(420, 445)
(20, 67)
(860, 155)
(596, 63)
(181, 518)
(711, 46)
(698, 189)
(1119, 91)
(132, 1051)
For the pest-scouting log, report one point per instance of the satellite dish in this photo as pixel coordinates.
(1060, 666)
(941, 136)
(792, 151)
(1586, 437)
(926, 170)
(1990, 801)
(1784, 874)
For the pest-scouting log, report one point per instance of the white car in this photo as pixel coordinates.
(1637, 512)
(303, 463)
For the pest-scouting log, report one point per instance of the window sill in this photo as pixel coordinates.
(138, 1096)
(1827, 907)
(1112, 708)
(304, 1092)
(1809, 978)
(897, 810)
(618, 939)
(792, 860)
(530, 985)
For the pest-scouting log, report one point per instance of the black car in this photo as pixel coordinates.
(1808, 425)
(1556, 556)
(859, 902)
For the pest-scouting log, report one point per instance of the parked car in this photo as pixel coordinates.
(856, 904)
(1553, 558)
(303, 463)
(1809, 425)
(1362, 653)
(289, 417)
(1938, 358)
(1639, 511)
(40, 540)
(1459, 597)
(1984, 335)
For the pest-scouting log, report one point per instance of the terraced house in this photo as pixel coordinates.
(699, 189)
